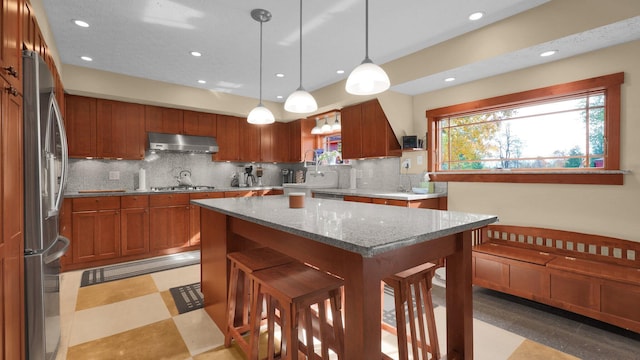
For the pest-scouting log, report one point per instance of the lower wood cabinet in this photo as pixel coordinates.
(110, 229)
(439, 203)
(96, 228)
(134, 219)
(169, 221)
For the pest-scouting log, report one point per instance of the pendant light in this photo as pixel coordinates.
(326, 128)
(316, 129)
(368, 78)
(336, 124)
(300, 101)
(260, 114)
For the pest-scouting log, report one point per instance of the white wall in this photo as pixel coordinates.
(599, 209)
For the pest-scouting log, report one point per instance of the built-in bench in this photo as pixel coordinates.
(595, 276)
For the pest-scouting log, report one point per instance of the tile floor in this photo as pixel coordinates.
(136, 318)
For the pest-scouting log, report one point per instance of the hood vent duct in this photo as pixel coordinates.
(182, 143)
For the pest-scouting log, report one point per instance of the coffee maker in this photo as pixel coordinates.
(249, 179)
(287, 176)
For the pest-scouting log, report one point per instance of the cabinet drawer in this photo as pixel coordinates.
(240, 193)
(96, 203)
(134, 202)
(207, 195)
(168, 200)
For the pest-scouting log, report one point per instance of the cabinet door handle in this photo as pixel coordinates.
(11, 71)
(11, 90)
(117, 213)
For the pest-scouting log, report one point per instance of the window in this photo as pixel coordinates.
(557, 134)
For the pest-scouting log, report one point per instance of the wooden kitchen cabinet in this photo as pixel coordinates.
(135, 225)
(274, 142)
(163, 120)
(169, 224)
(11, 47)
(228, 137)
(240, 193)
(439, 203)
(200, 124)
(249, 141)
(81, 126)
(301, 139)
(96, 228)
(11, 214)
(366, 132)
(194, 215)
(120, 130)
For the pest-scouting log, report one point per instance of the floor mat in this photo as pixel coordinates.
(141, 267)
(187, 297)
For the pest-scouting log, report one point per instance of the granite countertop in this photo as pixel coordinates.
(383, 194)
(116, 192)
(367, 229)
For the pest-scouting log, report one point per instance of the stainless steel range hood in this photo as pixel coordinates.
(182, 143)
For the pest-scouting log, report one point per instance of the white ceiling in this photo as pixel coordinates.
(152, 39)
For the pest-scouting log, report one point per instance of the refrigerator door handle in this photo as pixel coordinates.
(56, 203)
(49, 258)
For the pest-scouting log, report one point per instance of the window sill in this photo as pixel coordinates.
(591, 177)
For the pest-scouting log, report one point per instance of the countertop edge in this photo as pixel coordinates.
(76, 194)
(382, 194)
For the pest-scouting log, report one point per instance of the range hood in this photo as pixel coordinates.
(182, 143)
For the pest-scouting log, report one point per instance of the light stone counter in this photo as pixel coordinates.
(366, 229)
(75, 194)
(382, 194)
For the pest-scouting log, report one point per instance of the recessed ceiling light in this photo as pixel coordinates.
(339, 71)
(86, 58)
(81, 23)
(280, 75)
(196, 53)
(476, 16)
(202, 81)
(548, 53)
(449, 79)
(279, 97)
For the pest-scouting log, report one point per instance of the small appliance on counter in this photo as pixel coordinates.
(249, 179)
(287, 176)
(259, 173)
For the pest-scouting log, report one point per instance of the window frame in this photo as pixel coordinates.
(609, 175)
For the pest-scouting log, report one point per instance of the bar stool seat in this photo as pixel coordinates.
(408, 286)
(294, 289)
(240, 298)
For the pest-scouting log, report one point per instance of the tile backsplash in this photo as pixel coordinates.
(163, 169)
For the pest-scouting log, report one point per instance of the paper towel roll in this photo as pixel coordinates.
(142, 180)
(352, 178)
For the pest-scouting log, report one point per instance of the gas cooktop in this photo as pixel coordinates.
(182, 188)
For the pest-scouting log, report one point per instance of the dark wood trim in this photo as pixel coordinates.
(542, 178)
(609, 83)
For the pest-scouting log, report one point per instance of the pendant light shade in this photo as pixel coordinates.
(260, 114)
(300, 101)
(336, 124)
(368, 78)
(316, 129)
(326, 128)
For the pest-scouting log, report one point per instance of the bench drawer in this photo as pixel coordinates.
(575, 290)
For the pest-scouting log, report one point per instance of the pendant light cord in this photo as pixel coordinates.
(261, 61)
(366, 30)
(300, 44)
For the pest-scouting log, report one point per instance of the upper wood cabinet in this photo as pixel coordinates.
(301, 139)
(104, 128)
(163, 120)
(198, 123)
(274, 142)
(81, 126)
(120, 130)
(249, 141)
(11, 47)
(228, 137)
(366, 132)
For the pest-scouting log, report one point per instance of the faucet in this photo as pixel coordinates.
(316, 161)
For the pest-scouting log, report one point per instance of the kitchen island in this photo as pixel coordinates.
(362, 243)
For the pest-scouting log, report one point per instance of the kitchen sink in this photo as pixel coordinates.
(314, 180)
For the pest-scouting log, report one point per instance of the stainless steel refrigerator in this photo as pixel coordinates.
(45, 169)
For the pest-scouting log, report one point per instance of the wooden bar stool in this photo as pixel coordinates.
(240, 300)
(296, 290)
(408, 286)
